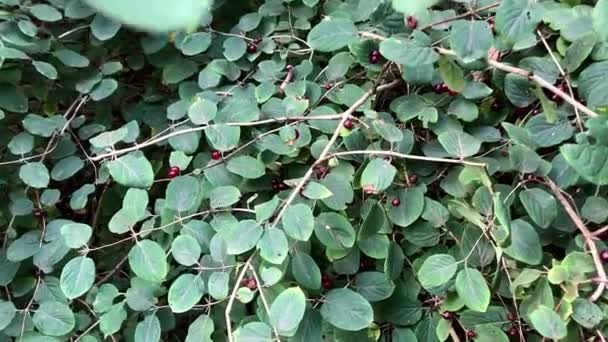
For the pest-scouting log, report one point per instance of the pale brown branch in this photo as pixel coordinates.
(344, 116)
(264, 300)
(402, 156)
(587, 235)
(232, 297)
(460, 16)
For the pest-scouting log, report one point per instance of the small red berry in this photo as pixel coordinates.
(274, 181)
(326, 282)
(216, 155)
(257, 41)
(438, 88)
(282, 186)
(174, 171)
(396, 202)
(471, 334)
(348, 124)
(374, 57)
(452, 92)
(327, 86)
(413, 179)
(275, 187)
(252, 48)
(447, 315)
(252, 284)
(495, 106)
(513, 331)
(412, 22)
(39, 213)
(510, 317)
(604, 256)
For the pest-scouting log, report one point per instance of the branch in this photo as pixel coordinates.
(264, 300)
(330, 143)
(460, 16)
(202, 128)
(237, 285)
(511, 69)
(587, 235)
(402, 156)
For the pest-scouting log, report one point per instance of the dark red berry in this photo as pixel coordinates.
(471, 334)
(282, 186)
(275, 187)
(452, 92)
(348, 124)
(519, 111)
(216, 155)
(447, 315)
(396, 202)
(257, 41)
(510, 317)
(604, 256)
(413, 179)
(252, 48)
(38, 213)
(513, 331)
(274, 181)
(398, 237)
(326, 282)
(327, 86)
(438, 88)
(374, 57)
(412, 22)
(174, 171)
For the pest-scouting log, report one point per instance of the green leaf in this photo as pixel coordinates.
(408, 53)
(451, 74)
(132, 170)
(153, 15)
(148, 330)
(514, 20)
(12, 98)
(473, 289)
(578, 51)
(35, 175)
(437, 270)
(373, 286)
(234, 48)
(314, 190)
(253, 332)
(586, 313)
(471, 39)
(224, 196)
(201, 329)
(46, 12)
(148, 261)
(374, 221)
(71, 58)
(195, 43)
(305, 271)
(525, 243)
(186, 250)
(347, 310)
(246, 167)
(111, 321)
(77, 277)
(331, 35)
(219, 285)
(459, 144)
(548, 323)
(413, 7)
(589, 161)
(45, 69)
(201, 111)
(223, 137)
(54, 319)
(7, 313)
(182, 194)
(287, 310)
(243, 237)
(76, 235)
(185, 292)
(334, 231)
(104, 28)
(377, 176)
(411, 207)
(66, 168)
(21, 143)
(540, 205)
(24, 247)
(103, 89)
(273, 246)
(600, 19)
(298, 222)
(595, 209)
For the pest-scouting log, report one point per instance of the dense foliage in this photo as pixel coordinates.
(303, 170)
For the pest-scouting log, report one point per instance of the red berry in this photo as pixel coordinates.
(447, 315)
(257, 41)
(216, 155)
(513, 331)
(38, 213)
(252, 284)
(327, 86)
(274, 181)
(396, 202)
(438, 88)
(471, 334)
(275, 187)
(374, 57)
(510, 317)
(412, 22)
(252, 48)
(604, 256)
(413, 179)
(348, 124)
(326, 282)
(452, 92)
(495, 106)
(174, 171)
(282, 186)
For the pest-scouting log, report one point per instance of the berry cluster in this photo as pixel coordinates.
(441, 88)
(252, 46)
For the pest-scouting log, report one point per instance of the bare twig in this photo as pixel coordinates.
(402, 156)
(587, 235)
(287, 79)
(114, 270)
(460, 16)
(264, 300)
(232, 297)
(345, 115)
(454, 335)
(511, 69)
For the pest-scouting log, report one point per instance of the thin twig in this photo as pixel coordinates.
(114, 270)
(587, 235)
(460, 16)
(237, 285)
(264, 300)
(454, 335)
(329, 145)
(402, 156)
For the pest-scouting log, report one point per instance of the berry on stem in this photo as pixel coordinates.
(38, 213)
(447, 315)
(174, 171)
(326, 282)
(396, 202)
(604, 255)
(348, 124)
(216, 155)
(412, 22)
(471, 334)
(413, 179)
(513, 331)
(374, 57)
(252, 47)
